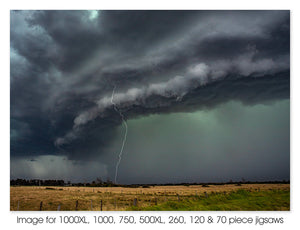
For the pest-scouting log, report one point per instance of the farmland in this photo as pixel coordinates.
(192, 197)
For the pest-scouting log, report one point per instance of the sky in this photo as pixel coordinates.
(188, 96)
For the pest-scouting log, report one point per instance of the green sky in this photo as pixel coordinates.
(232, 141)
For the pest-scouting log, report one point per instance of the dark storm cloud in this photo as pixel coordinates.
(64, 65)
(72, 32)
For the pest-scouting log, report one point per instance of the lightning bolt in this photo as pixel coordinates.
(125, 135)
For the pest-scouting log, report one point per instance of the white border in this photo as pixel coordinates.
(291, 218)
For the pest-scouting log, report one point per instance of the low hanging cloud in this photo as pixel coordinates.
(65, 64)
(196, 76)
(175, 87)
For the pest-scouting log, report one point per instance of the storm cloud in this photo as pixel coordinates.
(65, 64)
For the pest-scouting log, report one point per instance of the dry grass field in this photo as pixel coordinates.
(29, 198)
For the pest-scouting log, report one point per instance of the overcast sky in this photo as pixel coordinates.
(204, 95)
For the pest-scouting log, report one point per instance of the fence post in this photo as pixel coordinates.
(135, 202)
(178, 197)
(101, 205)
(58, 208)
(91, 205)
(41, 205)
(76, 208)
(155, 200)
(18, 205)
(206, 194)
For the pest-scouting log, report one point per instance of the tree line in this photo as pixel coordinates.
(108, 183)
(37, 182)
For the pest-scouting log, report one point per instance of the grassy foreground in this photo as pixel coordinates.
(165, 198)
(240, 200)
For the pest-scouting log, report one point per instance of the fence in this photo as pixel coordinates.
(114, 203)
(110, 201)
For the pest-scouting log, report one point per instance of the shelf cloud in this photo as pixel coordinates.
(65, 65)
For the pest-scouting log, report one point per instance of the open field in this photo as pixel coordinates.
(193, 197)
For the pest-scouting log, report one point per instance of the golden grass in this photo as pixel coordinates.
(114, 198)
